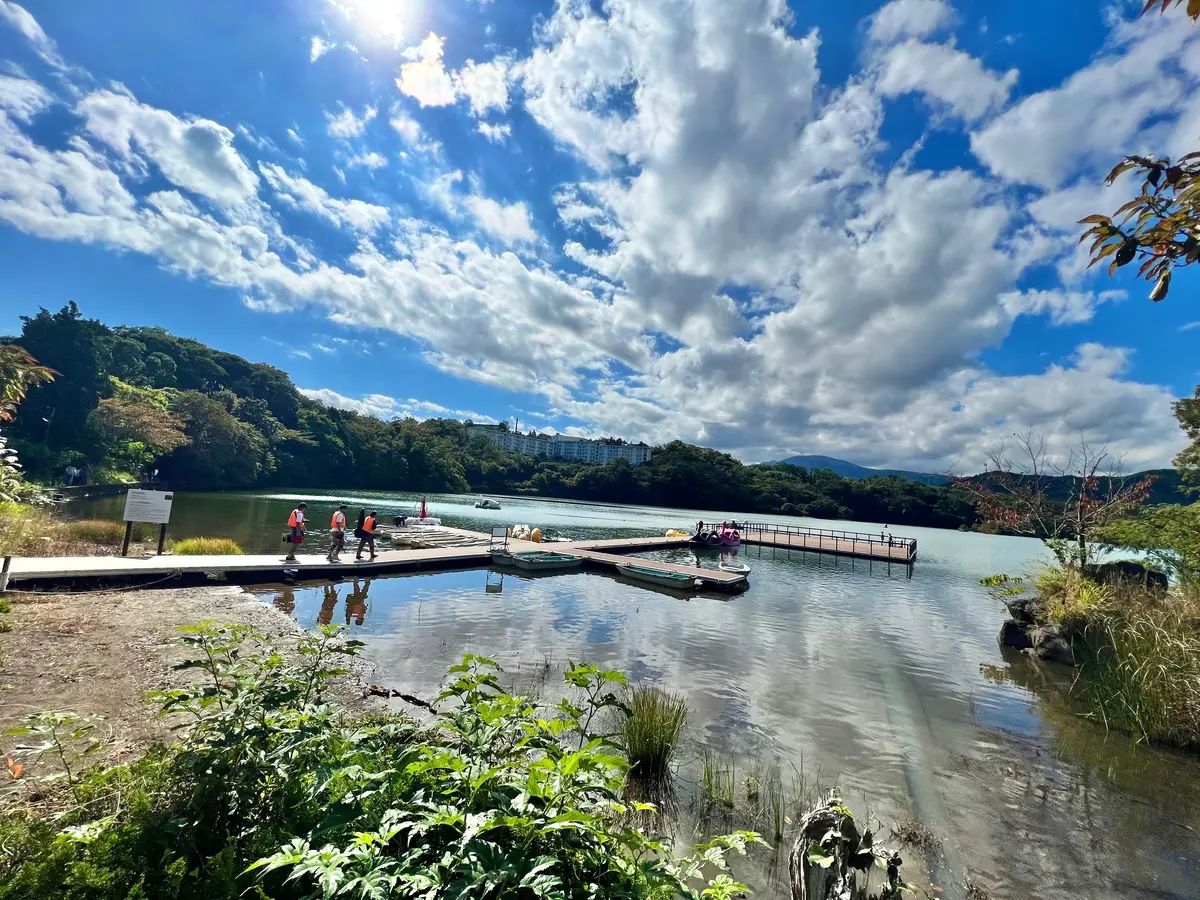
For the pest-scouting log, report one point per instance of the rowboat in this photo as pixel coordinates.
(661, 577)
(535, 560)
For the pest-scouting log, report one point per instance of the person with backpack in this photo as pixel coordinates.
(367, 540)
(295, 536)
(337, 530)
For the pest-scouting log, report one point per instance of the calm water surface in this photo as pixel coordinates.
(889, 683)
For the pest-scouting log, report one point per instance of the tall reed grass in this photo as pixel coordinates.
(1140, 665)
(652, 728)
(207, 546)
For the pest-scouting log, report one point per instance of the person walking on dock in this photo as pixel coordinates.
(296, 531)
(337, 530)
(369, 525)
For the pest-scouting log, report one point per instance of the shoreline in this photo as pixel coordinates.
(100, 653)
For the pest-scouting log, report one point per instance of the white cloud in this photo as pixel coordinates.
(346, 124)
(909, 18)
(300, 192)
(942, 72)
(407, 127)
(384, 407)
(193, 153)
(1063, 307)
(510, 222)
(1115, 105)
(294, 135)
(496, 133)
(485, 85)
(319, 48)
(424, 77)
(22, 98)
(20, 19)
(370, 160)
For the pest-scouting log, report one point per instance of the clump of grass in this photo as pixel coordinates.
(104, 532)
(1069, 599)
(5, 608)
(21, 527)
(652, 728)
(717, 779)
(916, 834)
(1140, 668)
(207, 546)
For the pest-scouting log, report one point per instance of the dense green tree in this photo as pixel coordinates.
(55, 413)
(221, 452)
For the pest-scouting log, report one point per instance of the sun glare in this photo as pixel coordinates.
(381, 20)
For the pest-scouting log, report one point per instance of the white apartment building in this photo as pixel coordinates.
(562, 446)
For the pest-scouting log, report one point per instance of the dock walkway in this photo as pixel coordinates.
(830, 540)
(83, 572)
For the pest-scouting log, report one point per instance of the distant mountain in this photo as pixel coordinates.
(853, 470)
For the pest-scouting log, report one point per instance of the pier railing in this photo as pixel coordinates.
(860, 543)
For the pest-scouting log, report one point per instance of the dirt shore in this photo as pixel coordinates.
(99, 654)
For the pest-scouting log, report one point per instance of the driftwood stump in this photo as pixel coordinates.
(833, 859)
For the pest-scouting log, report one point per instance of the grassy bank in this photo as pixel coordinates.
(274, 792)
(1137, 649)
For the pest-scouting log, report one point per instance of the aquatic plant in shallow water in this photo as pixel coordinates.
(652, 728)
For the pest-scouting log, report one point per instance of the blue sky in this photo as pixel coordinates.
(840, 228)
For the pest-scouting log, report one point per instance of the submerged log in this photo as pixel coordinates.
(833, 859)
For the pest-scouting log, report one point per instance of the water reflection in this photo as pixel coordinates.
(891, 684)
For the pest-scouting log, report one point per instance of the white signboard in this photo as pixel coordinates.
(148, 506)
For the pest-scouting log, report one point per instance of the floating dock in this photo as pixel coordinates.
(89, 572)
(469, 550)
(881, 547)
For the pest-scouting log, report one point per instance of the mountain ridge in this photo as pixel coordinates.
(847, 469)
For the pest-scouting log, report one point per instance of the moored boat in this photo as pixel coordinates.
(733, 568)
(661, 577)
(544, 561)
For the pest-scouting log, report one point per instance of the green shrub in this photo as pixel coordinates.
(274, 793)
(651, 729)
(207, 546)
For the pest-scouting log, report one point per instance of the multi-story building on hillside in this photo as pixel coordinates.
(563, 446)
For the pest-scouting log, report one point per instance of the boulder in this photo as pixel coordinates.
(1049, 643)
(1128, 570)
(1015, 634)
(1026, 610)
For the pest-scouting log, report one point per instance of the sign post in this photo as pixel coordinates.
(147, 506)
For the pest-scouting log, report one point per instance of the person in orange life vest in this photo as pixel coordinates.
(296, 537)
(337, 528)
(369, 526)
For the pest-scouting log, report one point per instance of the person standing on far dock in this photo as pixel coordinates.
(296, 534)
(337, 528)
(370, 523)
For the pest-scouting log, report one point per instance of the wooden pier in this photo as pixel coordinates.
(881, 547)
(90, 572)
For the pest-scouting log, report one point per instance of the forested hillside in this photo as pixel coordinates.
(129, 400)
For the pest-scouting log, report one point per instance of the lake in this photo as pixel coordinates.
(888, 682)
